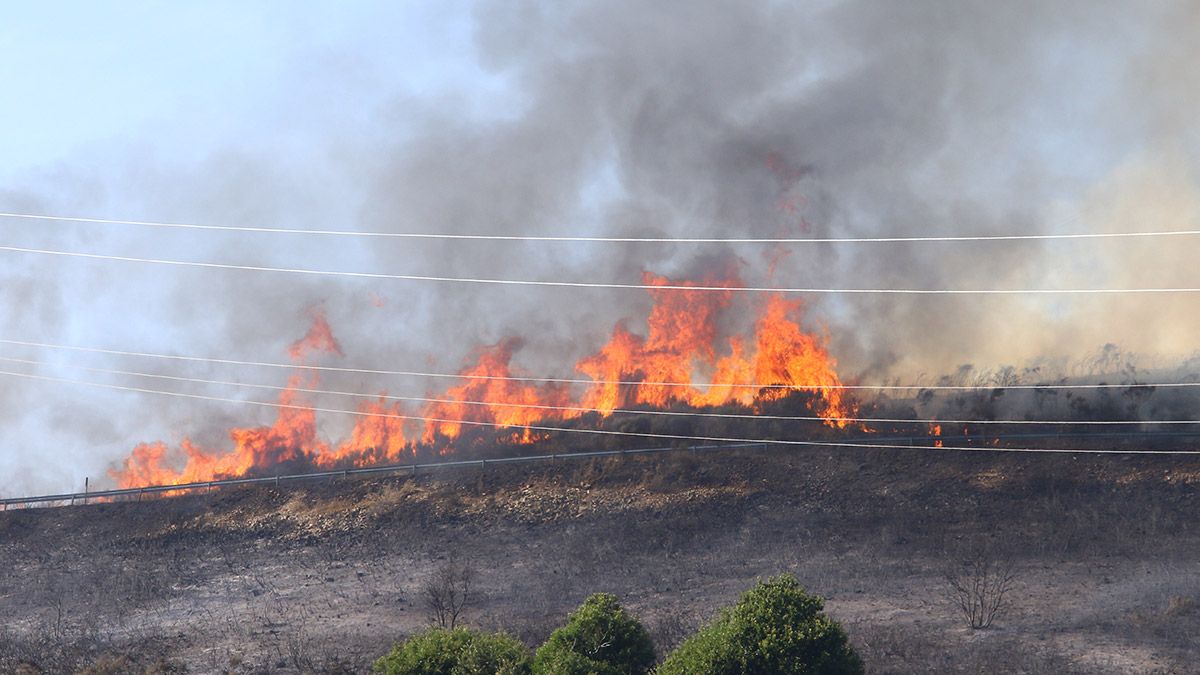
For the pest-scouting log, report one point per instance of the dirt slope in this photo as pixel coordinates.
(325, 577)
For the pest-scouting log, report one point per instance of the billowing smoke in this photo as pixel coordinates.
(723, 119)
(761, 119)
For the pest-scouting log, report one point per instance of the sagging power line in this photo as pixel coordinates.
(604, 285)
(603, 432)
(583, 381)
(597, 239)
(618, 411)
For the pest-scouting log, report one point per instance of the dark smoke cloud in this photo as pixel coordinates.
(875, 118)
(727, 119)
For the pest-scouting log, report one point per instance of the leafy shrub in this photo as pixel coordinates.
(456, 652)
(600, 638)
(774, 629)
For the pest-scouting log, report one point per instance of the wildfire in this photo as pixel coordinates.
(377, 436)
(509, 403)
(681, 337)
(678, 362)
(319, 338)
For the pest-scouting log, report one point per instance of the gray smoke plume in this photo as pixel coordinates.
(852, 119)
(722, 119)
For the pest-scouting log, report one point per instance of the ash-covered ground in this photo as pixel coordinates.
(325, 577)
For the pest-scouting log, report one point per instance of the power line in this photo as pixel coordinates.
(582, 409)
(603, 432)
(562, 380)
(635, 240)
(607, 285)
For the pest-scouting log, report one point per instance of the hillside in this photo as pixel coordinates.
(324, 577)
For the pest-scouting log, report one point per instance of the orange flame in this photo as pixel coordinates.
(291, 438)
(508, 403)
(377, 437)
(318, 338)
(664, 368)
(682, 332)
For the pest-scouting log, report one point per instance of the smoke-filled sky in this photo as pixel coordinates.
(724, 119)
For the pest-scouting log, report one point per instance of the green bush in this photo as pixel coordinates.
(600, 638)
(774, 629)
(456, 652)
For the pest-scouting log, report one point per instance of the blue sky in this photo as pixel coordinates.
(84, 77)
(137, 109)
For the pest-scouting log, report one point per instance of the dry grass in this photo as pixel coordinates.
(323, 578)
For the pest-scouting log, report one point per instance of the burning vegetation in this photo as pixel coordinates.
(765, 378)
(681, 364)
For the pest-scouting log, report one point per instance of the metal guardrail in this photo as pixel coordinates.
(415, 468)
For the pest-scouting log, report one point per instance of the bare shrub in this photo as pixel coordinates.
(980, 587)
(448, 592)
(300, 649)
(888, 647)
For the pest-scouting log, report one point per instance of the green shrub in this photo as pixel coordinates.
(456, 652)
(774, 629)
(600, 638)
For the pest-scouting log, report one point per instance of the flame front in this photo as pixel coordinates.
(508, 403)
(681, 336)
(677, 363)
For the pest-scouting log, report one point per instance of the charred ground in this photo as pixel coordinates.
(325, 577)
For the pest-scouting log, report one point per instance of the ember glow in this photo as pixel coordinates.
(682, 361)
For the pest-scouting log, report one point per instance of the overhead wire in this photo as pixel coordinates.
(689, 287)
(602, 285)
(599, 239)
(603, 432)
(563, 380)
(584, 409)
